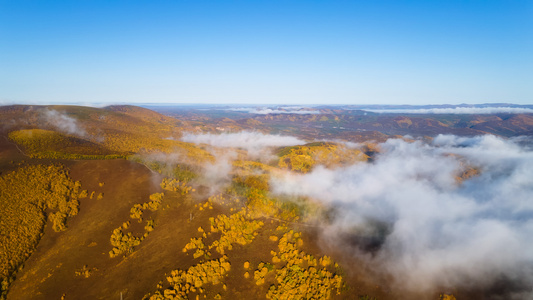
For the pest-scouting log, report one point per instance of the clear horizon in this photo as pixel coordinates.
(269, 52)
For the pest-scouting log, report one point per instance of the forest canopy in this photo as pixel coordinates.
(25, 194)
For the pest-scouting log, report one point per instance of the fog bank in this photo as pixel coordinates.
(284, 110)
(432, 229)
(456, 110)
(253, 142)
(63, 123)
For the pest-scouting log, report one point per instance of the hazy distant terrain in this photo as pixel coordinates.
(361, 123)
(266, 202)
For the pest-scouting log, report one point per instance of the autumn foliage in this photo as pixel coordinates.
(25, 195)
(304, 158)
(300, 275)
(193, 280)
(176, 185)
(124, 242)
(40, 143)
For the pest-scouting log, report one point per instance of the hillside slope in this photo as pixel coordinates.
(133, 228)
(153, 217)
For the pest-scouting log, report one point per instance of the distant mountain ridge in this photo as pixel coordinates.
(361, 122)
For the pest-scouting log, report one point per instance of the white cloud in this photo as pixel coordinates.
(456, 110)
(439, 233)
(63, 123)
(255, 143)
(284, 110)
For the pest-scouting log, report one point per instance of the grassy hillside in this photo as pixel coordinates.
(304, 158)
(159, 218)
(28, 197)
(73, 132)
(40, 143)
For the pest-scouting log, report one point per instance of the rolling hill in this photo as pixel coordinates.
(141, 214)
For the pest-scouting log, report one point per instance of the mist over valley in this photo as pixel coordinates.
(205, 201)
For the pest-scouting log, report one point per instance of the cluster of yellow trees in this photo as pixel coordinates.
(175, 185)
(249, 190)
(208, 204)
(25, 194)
(304, 158)
(193, 280)
(137, 142)
(221, 199)
(149, 227)
(298, 275)
(261, 272)
(126, 242)
(260, 205)
(296, 282)
(35, 141)
(235, 229)
(136, 212)
(66, 202)
(40, 143)
(259, 182)
(198, 244)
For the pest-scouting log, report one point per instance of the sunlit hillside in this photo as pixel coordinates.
(123, 202)
(240, 212)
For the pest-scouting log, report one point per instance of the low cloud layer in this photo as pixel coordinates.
(456, 110)
(253, 142)
(283, 110)
(63, 123)
(433, 232)
(214, 175)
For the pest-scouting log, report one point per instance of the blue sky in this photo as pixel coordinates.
(279, 52)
